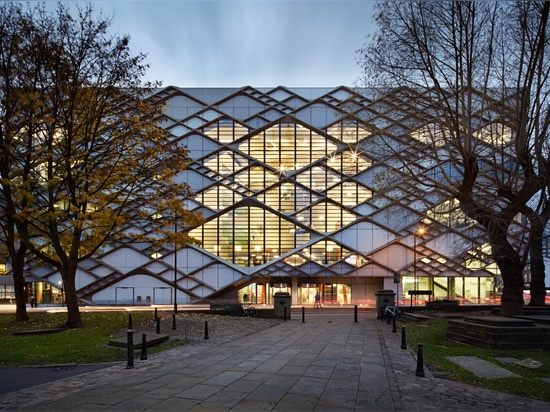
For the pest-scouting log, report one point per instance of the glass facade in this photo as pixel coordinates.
(299, 197)
(293, 198)
(331, 293)
(467, 290)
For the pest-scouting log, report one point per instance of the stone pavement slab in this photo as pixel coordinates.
(525, 363)
(482, 368)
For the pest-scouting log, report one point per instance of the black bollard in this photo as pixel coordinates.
(206, 330)
(394, 328)
(355, 313)
(420, 361)
(403, 338)
(158, 326)
(303, 314)
(284, 314)
(174, 321)
(156, 314)
(143, 347)
(130, 345)
(129, 321)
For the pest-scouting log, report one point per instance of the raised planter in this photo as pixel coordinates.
(496, 332)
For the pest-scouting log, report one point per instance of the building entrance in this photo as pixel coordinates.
(331, 293)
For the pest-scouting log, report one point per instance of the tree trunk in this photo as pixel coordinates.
(74, 320)
(18, 272)
(512, 294)
(537, 285)
(538, 271)
(511, 267)
(21, 314)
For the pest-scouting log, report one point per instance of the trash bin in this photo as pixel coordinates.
(384, 297)
(281, 301)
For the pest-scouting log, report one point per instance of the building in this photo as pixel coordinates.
(297, 198)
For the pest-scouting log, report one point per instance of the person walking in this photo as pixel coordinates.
(317, 301)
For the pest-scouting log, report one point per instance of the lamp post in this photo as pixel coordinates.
(175, 269)
(420, 231)
(396, 280)
(62, 292)
(414, 261)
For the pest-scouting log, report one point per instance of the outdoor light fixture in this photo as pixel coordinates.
(175, 268)
(419, 232)
(61, 286)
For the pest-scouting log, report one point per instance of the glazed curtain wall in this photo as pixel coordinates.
(297, 187)
(298, 180)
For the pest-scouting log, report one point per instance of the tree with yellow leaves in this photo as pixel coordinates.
(84, 155)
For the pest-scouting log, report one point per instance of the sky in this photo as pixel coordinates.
(237, 43)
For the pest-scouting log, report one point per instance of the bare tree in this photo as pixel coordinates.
(86, 131)
(477, 73)
(539, 217)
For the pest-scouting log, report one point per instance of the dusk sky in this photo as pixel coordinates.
(235, 43)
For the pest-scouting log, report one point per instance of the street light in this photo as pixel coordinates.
(419, 232)
(175, 268)
(60, 283)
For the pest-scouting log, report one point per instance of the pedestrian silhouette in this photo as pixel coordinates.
(317, 301)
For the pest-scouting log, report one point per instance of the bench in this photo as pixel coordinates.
(442, 304)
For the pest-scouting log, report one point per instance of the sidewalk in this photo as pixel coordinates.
(327, 363)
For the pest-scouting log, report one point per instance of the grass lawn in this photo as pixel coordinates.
(80, 346)
(436, 347)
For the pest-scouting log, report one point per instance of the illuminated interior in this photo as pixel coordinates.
(299, 195)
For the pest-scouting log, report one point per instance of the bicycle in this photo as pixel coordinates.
(240, 310)
(392, 312)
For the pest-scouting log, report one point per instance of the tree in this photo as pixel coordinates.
(538, 219)
(478, 74)
(96, 163)
(11, 46)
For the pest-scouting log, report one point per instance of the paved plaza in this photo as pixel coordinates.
(327, 363)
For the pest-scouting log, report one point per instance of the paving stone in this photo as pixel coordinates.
(526, 363)
(482, 368)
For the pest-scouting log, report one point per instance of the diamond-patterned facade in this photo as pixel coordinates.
(298, 197)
